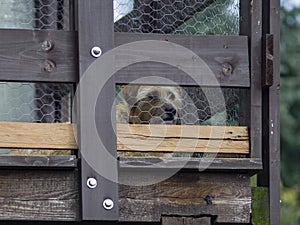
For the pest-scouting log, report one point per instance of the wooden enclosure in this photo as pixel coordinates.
(45, 176)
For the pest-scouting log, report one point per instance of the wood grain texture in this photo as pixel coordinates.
(184, 194)
(53, 196)
(215, 51)
(39, 161)
(39, 195)
(37, 135)
(197, 164)
(163, 138)
(22, 57)
(183, 138)
(95, 28)
(169, 220)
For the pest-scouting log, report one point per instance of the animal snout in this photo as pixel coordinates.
(169, 113)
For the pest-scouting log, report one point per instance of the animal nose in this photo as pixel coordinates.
(170, 110)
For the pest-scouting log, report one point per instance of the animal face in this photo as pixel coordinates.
(152, 104)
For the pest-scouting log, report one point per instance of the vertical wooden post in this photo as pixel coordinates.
(95, 28)
(251, 25)
(270, 176)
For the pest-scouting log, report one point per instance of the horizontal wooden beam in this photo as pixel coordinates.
(134, 137)
(182, 138)
(226, 56)
(43, 195)
(64, 161)
(37, 135)
(41, 56)
(227, 196)
(197, 164)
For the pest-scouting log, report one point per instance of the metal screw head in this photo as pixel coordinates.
(108, 204)
(91, 183)
(96, 52)
(49, 66)
(47, 45)
(227, 69)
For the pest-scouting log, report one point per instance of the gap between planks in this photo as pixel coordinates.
(131, 137)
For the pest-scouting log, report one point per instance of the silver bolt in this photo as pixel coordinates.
(108, 204)
(96, 52)
(91, 183)
(47, 46)
(49, 66)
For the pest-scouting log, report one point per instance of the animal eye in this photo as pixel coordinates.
(171, 96)
(152, 95)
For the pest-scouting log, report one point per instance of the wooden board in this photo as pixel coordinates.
(39, 195)
(53, 195)
(37, 135)
(42, 161)
(183, 138)
(135, 137)
(215, 51)
(22, 57)
(169, 220)
(185, 194)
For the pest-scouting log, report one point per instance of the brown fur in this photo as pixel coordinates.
(149, 105)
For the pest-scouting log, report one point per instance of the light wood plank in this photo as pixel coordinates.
(134, 137)
(183, 138)
(37, 135)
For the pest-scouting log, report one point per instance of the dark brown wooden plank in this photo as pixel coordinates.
(267, 60)
(39, 195)
(270, 176)
(274, 119)
(197, 164)
(38, 161)
(227, 196)
(169, 220)
(95, 28)
(252, 27)
(215, 51)
(23, 59)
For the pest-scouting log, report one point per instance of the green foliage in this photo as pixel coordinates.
(260, 206)
(290, 210)
(290, 116)
(290, 96)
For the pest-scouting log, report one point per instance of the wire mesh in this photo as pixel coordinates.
(25, 102)
(177, 105)
(205, 17)
(35, 102)
(34, 14)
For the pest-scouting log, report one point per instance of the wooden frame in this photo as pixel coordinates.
(71, 172)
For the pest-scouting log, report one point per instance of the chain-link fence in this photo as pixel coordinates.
(206, 17)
